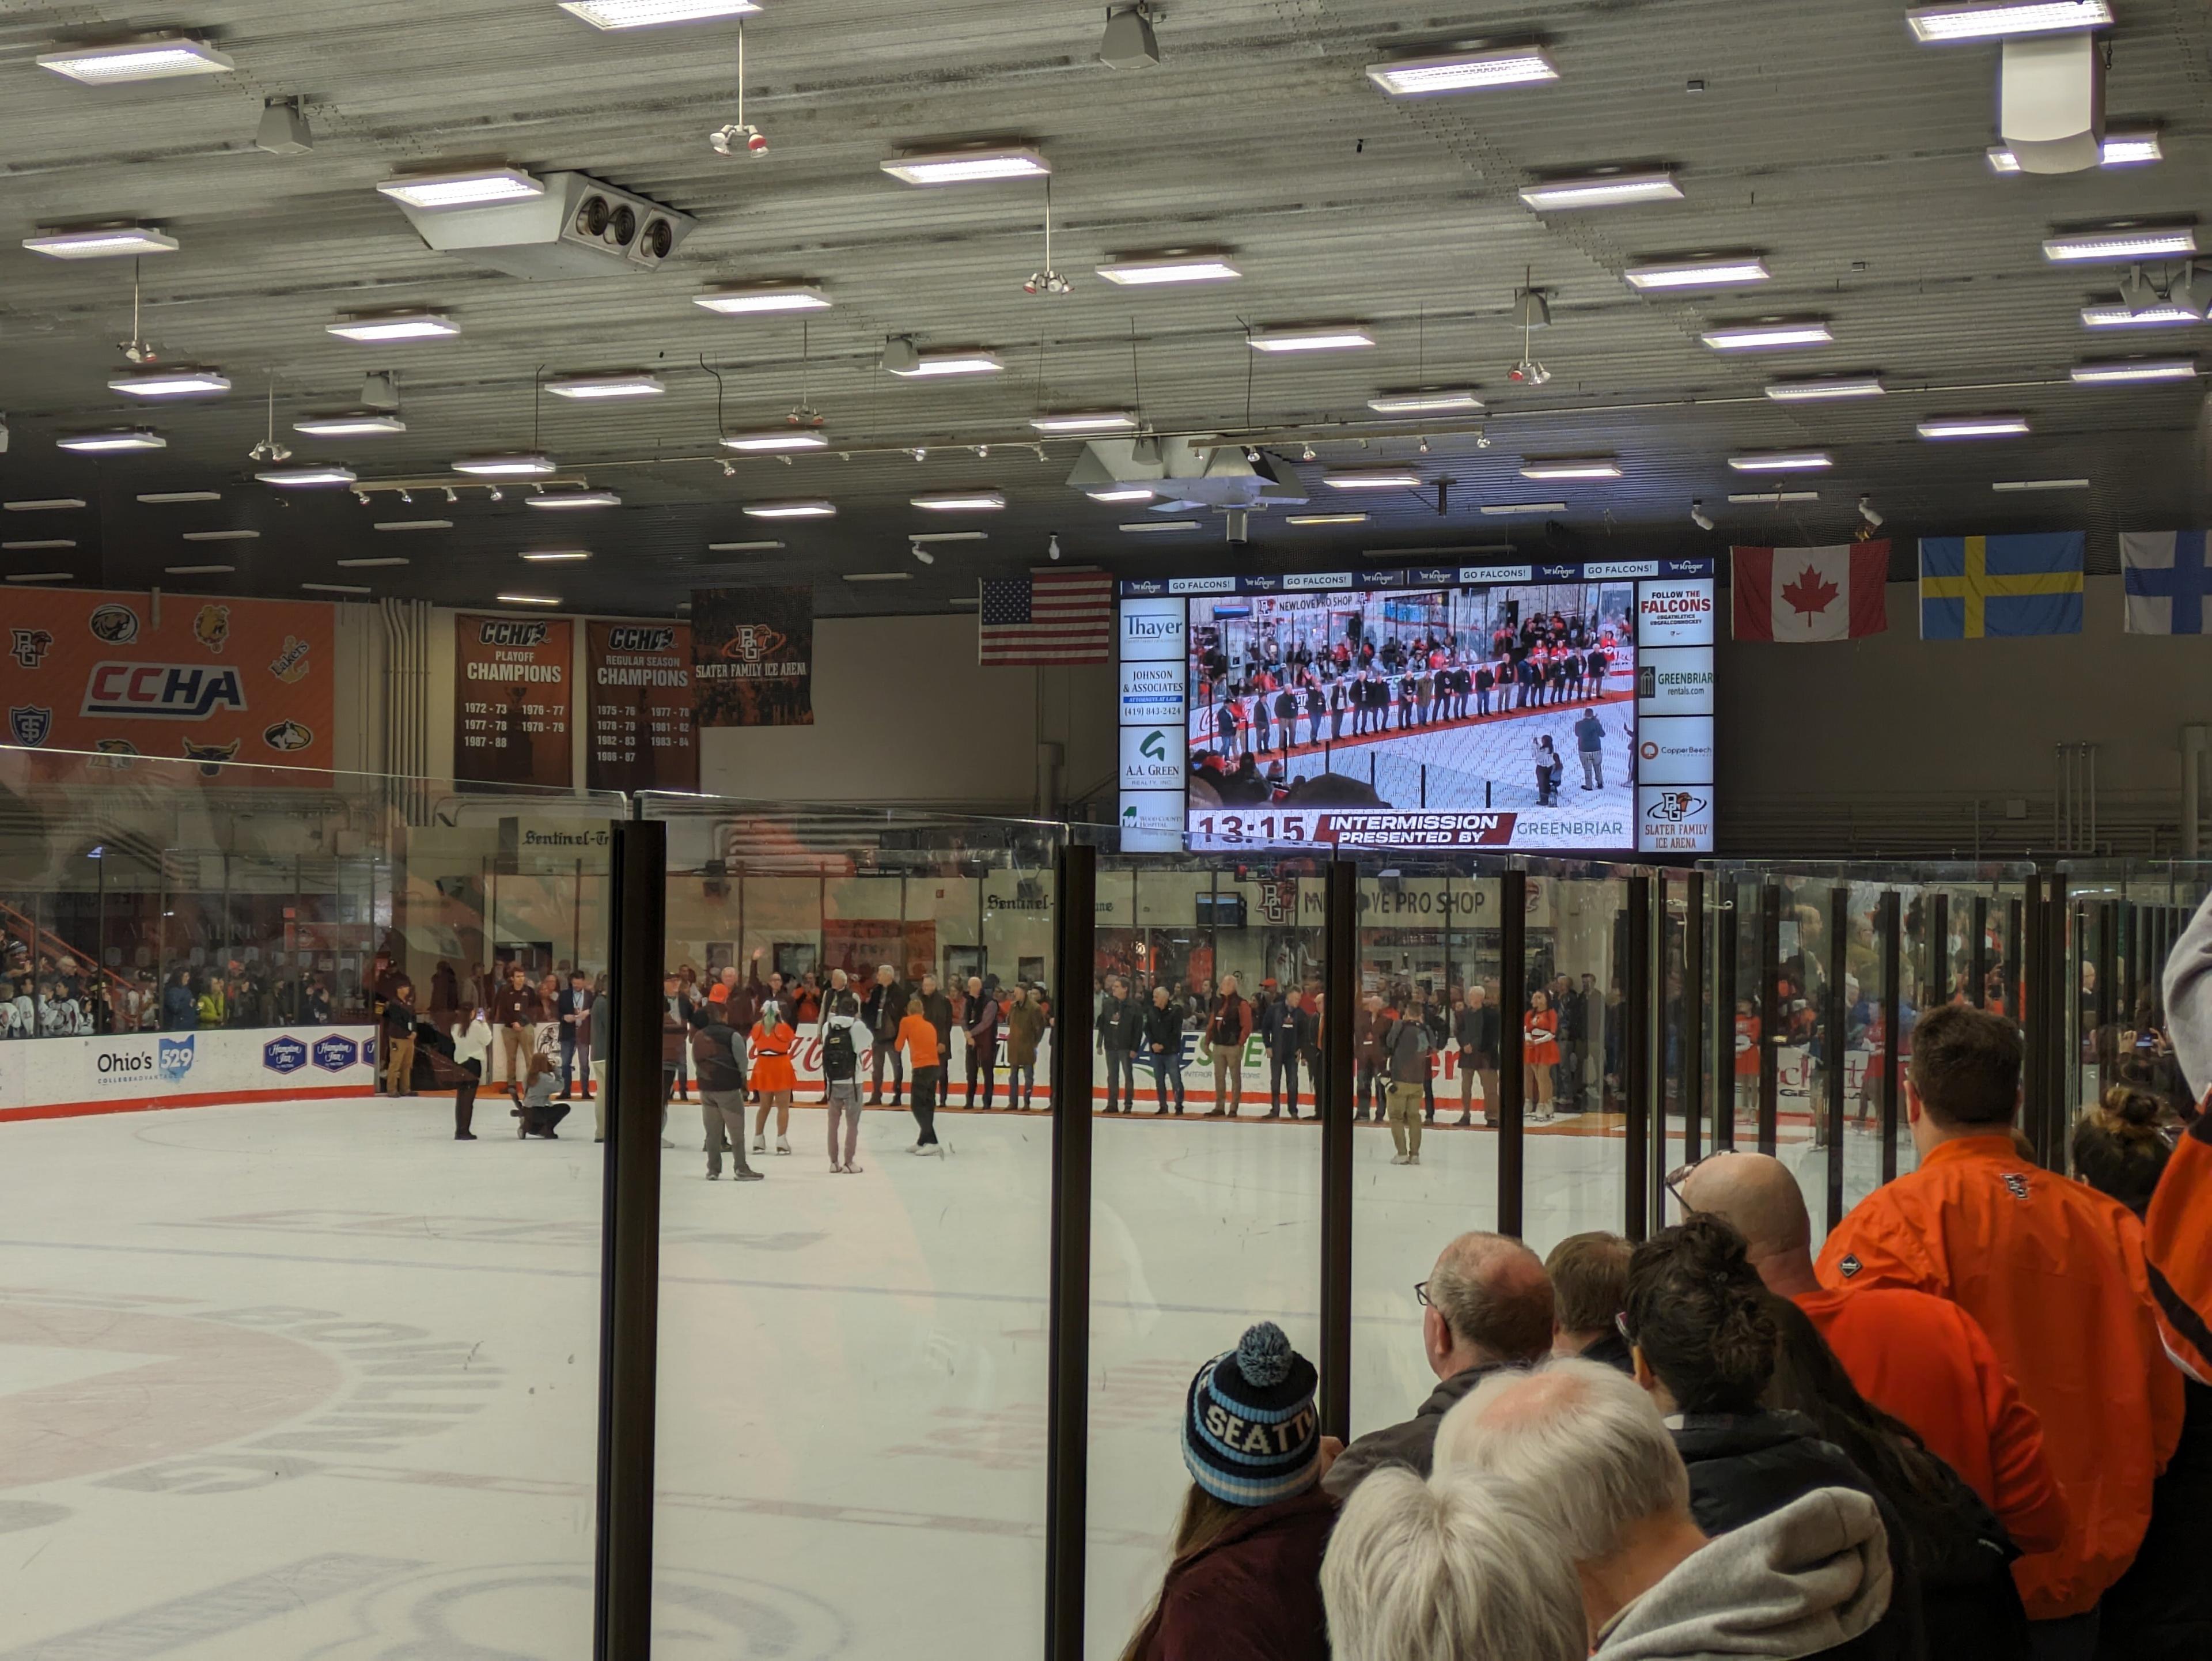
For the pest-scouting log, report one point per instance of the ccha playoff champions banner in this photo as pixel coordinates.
(512, 700)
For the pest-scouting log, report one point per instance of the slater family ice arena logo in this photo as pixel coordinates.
(173, 1058)
(29, 723)
(335, 1054)
(285, 1054)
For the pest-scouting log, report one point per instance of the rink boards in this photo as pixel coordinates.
(136, 1072)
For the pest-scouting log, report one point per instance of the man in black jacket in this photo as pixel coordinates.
(1162, 1040)
(1474, 1030)
(1282, 1028)
(718, 1057)
(571, 1007)
(1119, 1028)
(980, 1027)
(880, 1013)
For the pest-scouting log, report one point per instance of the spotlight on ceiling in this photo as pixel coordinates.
(1699, 517)
(1052, 546)
(1129, 43)
(1869, 513)
(922, 553)
(284, 130)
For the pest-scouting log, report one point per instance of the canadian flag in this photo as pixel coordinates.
(1805, 595)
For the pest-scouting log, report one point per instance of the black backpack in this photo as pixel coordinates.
(839, 1059)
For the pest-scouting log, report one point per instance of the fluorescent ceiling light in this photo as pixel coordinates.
(2151, 317)
(337, 588)
(43, 576)
(1572, 467)
(1989, 426)
(2041, 484)
(302, 477)
(199, 570)
(1326, 518)
(48, 504)
(1122, 493)
(574, 499)
(118, 438)
(777, 438)
(1341, 339)
(106, 242)
(645, 14)
(879, 576)
(1939, 25)
(2119, 150)
(630, 383)
(415, 525)
(1081, 421)
(519, 464)
(1698, 274)
(1428, 401)
(1373, 479)
(355, 424)
(556, 556)
(1603, 189)
(147, 57)
(2135, 368)
(527, 599)
(1147, 527)
(1814, 388)
(736, 302)
(1501, 510)
(378, 326)
(967, 167)
(223, 536)
(170, 383)
(2141, 242)
(1782, 461)
(475, 187)
(43, 543)
(359, 564)
(808, 510)
(1169, 267)
(960, 502)
(1770, 498)
(162, 498)
(1767, 337)
(1464, 71)
(743, 547)
(948, 536)
(943, 363)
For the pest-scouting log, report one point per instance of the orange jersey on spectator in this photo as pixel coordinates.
(772, 1068)
(919, 1039)
(2054, 1273)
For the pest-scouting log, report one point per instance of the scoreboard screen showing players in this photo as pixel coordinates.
(1563, 707)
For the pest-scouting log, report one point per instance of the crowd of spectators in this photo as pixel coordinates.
(55, 994)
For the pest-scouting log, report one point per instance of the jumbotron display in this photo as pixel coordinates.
(1555, 707)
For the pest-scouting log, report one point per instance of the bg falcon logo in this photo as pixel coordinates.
(30, 647)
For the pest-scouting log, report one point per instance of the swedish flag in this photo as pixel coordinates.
(1974, 586)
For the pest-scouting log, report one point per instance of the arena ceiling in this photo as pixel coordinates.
(1821, 142)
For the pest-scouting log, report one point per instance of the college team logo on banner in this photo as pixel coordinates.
(752, 657)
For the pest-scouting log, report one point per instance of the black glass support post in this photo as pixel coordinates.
(1510, 1110)
(1067, 1391)
(1728, 957)
(1978, 955)
(629, 1248)
(1773, 1017)
(1341, 915)
(1893, 1012)
(1662, 1031)
(1635, 1055)
(2108, 970)
(1693, 1015)
(1937, 993)
(2015, 961)
(1835, 1016)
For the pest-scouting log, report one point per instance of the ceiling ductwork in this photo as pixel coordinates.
(578, 228)
(1189, 472)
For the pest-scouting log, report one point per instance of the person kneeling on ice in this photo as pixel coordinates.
(773, 1078)
(539, 1114)
(1244, 1581)
(843, 1033)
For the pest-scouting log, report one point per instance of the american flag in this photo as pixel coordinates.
(1048, 618)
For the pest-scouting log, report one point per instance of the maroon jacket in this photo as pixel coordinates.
(1254, 1594)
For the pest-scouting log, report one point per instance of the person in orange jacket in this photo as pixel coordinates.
(1540, 1052)
(919, 1039)
(2054, 1273)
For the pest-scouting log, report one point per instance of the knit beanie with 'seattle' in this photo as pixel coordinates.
(1251, 1436)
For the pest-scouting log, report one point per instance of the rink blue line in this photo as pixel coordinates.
(671, 1280)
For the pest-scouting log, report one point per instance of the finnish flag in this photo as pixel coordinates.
(2166, 582)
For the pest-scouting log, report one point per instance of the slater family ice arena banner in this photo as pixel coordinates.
(752, 657)
(638, 704)
(207, 680)
(135, 1072)
(512, 700)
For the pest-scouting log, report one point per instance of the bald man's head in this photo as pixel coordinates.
(1756, 1194)
(1490, 1300)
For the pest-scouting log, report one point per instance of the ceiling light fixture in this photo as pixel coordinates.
(102, 242)
(1122, 493)
(2161, 315)
(1176, 265)
(777, 438)
(967, 167)
(474, 187)
(351, 423)
(179, 382)
(556, 556)
(41, 545)
(302, 477)
(1373, 479)
(650, 13)
(926, 364)
(573, 499)
(1942, 25)
(415, 525)
(2041, 484)
(164, 498)
(1989, 426)
(748, 299)
(365, 564)
(960, 502)
(1503, 509)
(142, 57)
(199, 570)
(375, 327)
(627, 383)
(1430, 400)
(50, 504)
(221, 536)
(1149, 526)
(1815, 388)
(1326, 518)
(337, 588)
(1085, 421)
(1770, 497)
(520, 464)
(1782, 461)
(743, 547)
(1698, 274)
(2114, 370)
(527, 599)
(1335, 340)
(1768, 336)
(1464, 71)
(113, 438)
(804, 509)
(1604, 189)
(1572, 467)
(2123, 242)
(2119, 150)
(881, 576)
(43, 576)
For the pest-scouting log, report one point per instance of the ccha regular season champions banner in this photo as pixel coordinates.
(638, 707)
(752, 657)
(512, 700)
(203, 680)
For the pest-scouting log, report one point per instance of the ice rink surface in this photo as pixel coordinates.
(315, 1381)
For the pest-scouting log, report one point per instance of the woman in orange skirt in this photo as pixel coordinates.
(772, 1076)
(1540, 1052)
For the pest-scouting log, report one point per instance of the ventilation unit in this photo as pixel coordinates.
(578, 228)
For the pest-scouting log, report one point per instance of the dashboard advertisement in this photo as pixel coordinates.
(1542, 708)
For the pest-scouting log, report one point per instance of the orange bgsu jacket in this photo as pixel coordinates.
(2054, 1273)
(2179, 1229)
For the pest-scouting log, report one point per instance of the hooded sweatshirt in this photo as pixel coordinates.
(1811, 1578)
(2178, 1227)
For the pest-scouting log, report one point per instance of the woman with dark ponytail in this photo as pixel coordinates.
(2119, 1146)
(1705, 1344)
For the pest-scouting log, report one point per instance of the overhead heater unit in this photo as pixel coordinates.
(578, 228)
(2051, 102)
(1189, 472)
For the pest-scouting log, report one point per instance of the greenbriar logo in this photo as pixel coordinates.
(1155, 746)
(1129, 814)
